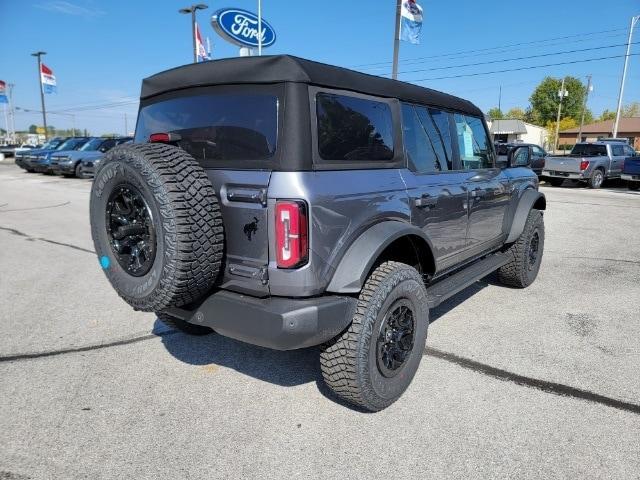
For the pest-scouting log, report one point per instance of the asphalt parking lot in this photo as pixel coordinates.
(535, 383)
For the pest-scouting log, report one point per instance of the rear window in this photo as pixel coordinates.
(215, 128)
(589, 150)
(352, 128)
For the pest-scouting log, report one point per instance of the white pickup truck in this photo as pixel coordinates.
(592, 163)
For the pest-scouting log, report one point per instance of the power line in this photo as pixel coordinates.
(521, 68)
(518, 58)
(581, 35)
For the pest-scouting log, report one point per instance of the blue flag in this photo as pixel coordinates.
(410, 22)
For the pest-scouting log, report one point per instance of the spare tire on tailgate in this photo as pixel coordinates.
(156, 226)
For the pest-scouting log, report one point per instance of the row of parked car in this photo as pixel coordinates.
(591, 163)
(70, 156)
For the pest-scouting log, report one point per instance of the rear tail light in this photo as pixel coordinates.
(164, 137)
(292, 239)
(584, 164)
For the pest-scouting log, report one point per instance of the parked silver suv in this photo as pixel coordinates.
(288, 203)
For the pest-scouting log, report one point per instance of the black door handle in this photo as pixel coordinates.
(426, 201)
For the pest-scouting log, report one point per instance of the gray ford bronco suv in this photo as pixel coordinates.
(289, 204)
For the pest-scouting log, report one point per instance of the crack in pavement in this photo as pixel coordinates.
(603, 259)
(35, 208)
(467, 363)
(542, 385)
(86, 348)
(54, 242)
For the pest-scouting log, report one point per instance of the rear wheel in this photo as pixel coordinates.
(597, 179)
(373, 362)
(78, 170)
(555, 182)
(181, 325)
(156, 226)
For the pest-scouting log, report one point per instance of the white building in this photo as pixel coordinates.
(512, 131)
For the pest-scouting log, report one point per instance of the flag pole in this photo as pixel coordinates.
(44, 111)
(396, 40)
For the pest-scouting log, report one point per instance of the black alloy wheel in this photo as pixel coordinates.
(395, 339)
(130, 230)
(534, 247)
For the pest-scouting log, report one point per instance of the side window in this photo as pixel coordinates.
(474, 145)
(107, 145)
(441, 121)
(628, 151)
(422, 144)
(352, 128)
(537, 151)
(617, 150)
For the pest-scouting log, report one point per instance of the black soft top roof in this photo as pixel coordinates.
(287, 68)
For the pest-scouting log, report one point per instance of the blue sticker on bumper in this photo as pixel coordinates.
(104, 261)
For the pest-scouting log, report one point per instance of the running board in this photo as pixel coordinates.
(448, 287)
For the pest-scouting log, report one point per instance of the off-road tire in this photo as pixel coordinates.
(597, 178)
(555, 182)
(187, 220)
(349, 361)
(184, 327)
(519, 272)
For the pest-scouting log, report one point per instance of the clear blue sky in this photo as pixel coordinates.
(100, 50)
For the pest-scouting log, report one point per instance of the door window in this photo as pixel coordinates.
(421, 141)
(537, 151)
(617, 150)
(628, 151)
(442, 123)
(473, 143)
(352, 128)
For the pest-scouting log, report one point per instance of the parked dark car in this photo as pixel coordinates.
(23, 159)
(42, 161)
(536, 152)
(69, 163)
(91, 159)
(631, 169)
(337, 218)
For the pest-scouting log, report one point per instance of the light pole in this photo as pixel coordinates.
(561, 93)
(634, 20)
(192, 10)
(44, 111)
(584, 106)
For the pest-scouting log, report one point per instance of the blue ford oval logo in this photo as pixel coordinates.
(241, 27)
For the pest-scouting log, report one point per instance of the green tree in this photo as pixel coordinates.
(515, 113)
(33, 129)
(631, 110)
(495, 113)
(607, 115)
(565, 124)
(544, 100)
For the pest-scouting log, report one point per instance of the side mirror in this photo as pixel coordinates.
(519, 157)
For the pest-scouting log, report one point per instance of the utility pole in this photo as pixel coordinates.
(396, 40)
(192, 10)
(126, 126)
(584, 106)
(634, 20)
(561, 93)
(44, 111)
(500, 99)
(12, 118)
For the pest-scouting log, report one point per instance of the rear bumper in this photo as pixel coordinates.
(570, 175)
(275, 322)
(630, 178)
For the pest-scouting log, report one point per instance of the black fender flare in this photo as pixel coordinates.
(530, 199)
(351, 273)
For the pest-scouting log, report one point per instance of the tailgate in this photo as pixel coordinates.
(243, 202)
(632, 166)
(563, 164)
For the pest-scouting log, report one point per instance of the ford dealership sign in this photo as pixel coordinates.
(240, 27)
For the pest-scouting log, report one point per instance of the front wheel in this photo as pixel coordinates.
(525, 255)
(373, 362)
